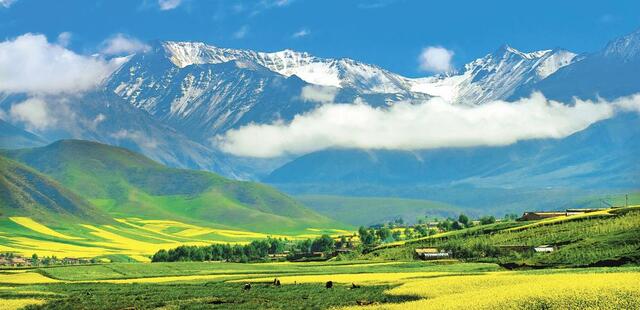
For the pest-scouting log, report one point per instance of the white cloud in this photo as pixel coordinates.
(30, 64)
(301, 33)
(34, 112)
(121, 44)
(436, 59)
(318, 93)
(432, 124)
(137, 137)
(64, 38)
(6, 3)
(241, 33)
(169, 4)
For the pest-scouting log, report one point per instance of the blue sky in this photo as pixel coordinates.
(384, 32)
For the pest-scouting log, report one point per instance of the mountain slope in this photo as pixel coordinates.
(26, 192)
(599, 159)
(496, 76)
(359, 211)
(103, 116)
(342, 73)
(202, 91)
(12, 137)
(609, 73)
(126, 184)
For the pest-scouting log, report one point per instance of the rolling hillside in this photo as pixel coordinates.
(376, 210)
(126, 184)
(609, 237)
(26, 192)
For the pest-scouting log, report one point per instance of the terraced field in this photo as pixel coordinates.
(127, 239)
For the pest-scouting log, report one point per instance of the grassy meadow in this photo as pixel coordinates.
(390, 285)
(128, 239)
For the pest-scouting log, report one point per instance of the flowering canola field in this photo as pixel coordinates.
(512, 290)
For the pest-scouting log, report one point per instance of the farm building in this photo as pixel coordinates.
(431, 253)
(535, 215)
(544, 249)
(277, 256)
(539, 215)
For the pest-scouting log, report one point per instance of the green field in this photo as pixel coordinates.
(403, 284)
(84, 199)
(126, 184)
(607, 237)
(376, 210)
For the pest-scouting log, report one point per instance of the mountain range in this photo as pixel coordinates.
(171, 101)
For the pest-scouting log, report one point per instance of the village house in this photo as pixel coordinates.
(431, 253)
(544, 249)
(19, 261)
(539, 215)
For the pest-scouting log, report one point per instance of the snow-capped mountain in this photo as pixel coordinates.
(343, 72)
(495, 76)
(171, 101)
(202, 90)
(609, 73)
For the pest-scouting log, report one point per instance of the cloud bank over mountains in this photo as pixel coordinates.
(428, 125)
(31, 64)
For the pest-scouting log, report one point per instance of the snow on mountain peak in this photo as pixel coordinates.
(342, 72)
(495, 76)
(626, 47)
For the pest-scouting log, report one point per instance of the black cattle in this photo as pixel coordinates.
(329, 284)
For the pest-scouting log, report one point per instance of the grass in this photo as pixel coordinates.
(126, 239)
(384, 285)
(124, 184)
(375, 210)
(212, 295)
(604, 237)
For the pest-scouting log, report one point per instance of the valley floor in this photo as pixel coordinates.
(131, 239)
(378, 285)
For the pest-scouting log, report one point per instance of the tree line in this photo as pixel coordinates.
(257, 250)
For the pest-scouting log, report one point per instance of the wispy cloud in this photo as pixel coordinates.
(166, 5)
(436, 59)
(64, 38)
(375, 4)
(317, 93)
(7, 3)
(432, 124)
(121, 44)
(301, 33)
(242, 32)
(34, 112)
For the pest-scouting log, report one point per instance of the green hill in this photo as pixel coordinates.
(376, 210)
(127, 184)
(26, 192)
(608, 237)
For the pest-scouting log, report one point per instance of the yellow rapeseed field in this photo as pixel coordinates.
(37, 227)
(510, 290)
(555, 220)
(10, 304)
(25, 278)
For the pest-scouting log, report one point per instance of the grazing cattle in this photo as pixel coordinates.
(354, 286)
(278, 283)
(329, 284)
(247, 286)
